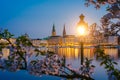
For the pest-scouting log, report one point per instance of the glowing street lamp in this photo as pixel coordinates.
(81, 29)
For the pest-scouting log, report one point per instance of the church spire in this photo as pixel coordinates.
(53, 31)
(64, 31)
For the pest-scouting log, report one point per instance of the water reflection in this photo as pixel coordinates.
(70, 53)
(73, 57)
(112, 52)
(74, 53)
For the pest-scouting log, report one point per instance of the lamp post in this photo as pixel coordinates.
(82, 27)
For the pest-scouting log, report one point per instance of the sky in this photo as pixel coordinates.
(36, 17)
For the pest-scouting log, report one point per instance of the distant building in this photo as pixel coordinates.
(36, 42)
(3, 41)
(39, 42)
(65, 40)
(93, 37)
(12, 40)
(64, 31)
(54, 39)
(53, 31)
(44, 43)
(69, 40)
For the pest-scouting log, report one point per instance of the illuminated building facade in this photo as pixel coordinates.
(93, 37)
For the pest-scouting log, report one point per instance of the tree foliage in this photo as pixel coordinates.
(110, 22)
(108, 63)
(17, 49)
(51, 64)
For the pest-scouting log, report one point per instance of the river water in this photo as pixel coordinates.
(72, 57)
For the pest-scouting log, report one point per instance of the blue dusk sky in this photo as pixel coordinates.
(36, 17)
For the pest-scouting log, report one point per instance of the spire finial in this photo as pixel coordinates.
(64, 31)
(53, 31)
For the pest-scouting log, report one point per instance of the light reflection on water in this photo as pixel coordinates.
(74, 53)
(73, 57)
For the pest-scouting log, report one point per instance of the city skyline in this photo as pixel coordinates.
(36, 17)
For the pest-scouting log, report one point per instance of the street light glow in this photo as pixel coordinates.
(81, 30)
